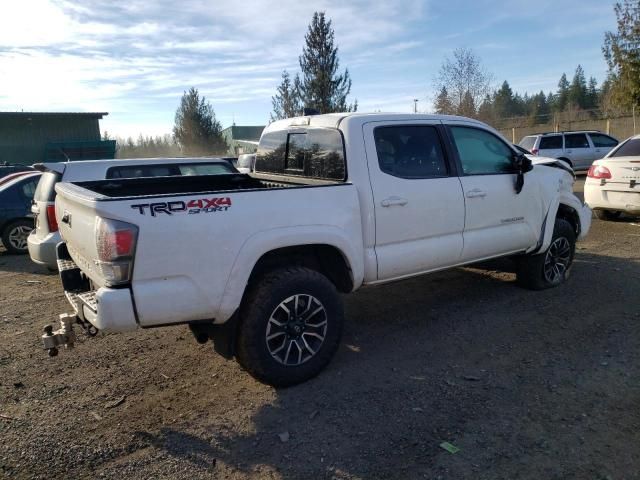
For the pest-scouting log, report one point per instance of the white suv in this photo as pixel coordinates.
(579, 148)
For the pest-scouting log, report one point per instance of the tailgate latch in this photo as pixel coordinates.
(63, 337)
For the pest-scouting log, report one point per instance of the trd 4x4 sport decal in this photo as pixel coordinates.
(200, 205)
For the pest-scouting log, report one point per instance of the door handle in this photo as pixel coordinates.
(475, 193)
(391, 201)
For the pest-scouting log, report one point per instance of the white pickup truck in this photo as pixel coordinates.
(336, 202)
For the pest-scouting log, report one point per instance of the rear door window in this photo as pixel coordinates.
(28, 188)
(45, 191)
(602, 140)
(410, 151)
(553, 142)
(576, 140)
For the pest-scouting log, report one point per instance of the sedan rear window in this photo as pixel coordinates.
(630, 148)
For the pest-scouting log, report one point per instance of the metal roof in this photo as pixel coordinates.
(55, 114)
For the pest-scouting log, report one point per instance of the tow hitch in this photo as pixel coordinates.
(64, 336)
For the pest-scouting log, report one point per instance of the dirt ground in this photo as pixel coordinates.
(539, 385)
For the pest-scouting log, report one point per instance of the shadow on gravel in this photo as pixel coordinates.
(20, 263)
(526, 384)
(182, 445)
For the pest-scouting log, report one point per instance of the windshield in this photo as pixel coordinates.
(527, 143)
(630, 148)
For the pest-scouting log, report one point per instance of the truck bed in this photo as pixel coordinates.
(172, 186)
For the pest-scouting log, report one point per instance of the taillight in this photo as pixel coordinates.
(116, 245)
(51, 218)
(534, 151)
(599, 172)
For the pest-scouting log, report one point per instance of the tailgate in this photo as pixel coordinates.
(76, 214)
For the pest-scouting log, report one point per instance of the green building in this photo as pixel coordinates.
(33, 137)
(242, 139)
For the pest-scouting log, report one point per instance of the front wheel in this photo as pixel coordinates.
(551, 268)
(290, 326)
(14, 237)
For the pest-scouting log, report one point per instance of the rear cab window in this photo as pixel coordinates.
(45, 191)
(551, 142)
(312, 152)
(168, 170)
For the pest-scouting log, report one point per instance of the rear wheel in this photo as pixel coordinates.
(551, 268)
(607, 214)
(290, 326)
(15, 236)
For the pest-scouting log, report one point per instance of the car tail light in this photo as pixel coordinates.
(599, 171)
(534, 151)
(116, 245)
(51, 218)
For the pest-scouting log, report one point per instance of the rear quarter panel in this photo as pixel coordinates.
(195, 266)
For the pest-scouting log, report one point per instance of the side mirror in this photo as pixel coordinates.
(522, 163)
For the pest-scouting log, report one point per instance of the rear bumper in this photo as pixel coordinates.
(107, 309)
(43, 250)
(600, 199)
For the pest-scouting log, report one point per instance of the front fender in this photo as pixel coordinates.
(266, 241)
(583, 216)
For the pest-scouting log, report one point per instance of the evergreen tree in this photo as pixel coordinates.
(577, 96)
(286, 102)
(486, 112)
(622, 52)
(196, 128)
(562, 97)
(592, 93)
(503, 101)
(467, 107)
(443, 104)
(321, 86)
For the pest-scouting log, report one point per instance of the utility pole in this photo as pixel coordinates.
(415, 105)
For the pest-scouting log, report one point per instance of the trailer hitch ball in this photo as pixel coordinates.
(64, 336)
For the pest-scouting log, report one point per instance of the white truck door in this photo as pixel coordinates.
(498, 220)
(419, 207)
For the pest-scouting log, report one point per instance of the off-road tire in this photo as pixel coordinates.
(261, 301)
(9, 230)
(607, 215)
(530, 270)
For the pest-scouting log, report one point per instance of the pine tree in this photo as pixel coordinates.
(503, 101)
(577, 96)
(562, 97)
(592, 93)
(443, 104)
(196, 128)
(321, 86)
(467, 107)
(286, 102)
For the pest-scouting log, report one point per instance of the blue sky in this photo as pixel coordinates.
(134, 58)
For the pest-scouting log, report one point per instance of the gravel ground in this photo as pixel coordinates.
(526, 384)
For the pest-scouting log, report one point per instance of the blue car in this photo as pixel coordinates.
(16, 219)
